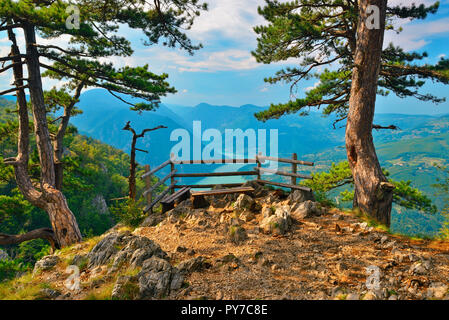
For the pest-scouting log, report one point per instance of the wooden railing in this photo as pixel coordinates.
(258, 172)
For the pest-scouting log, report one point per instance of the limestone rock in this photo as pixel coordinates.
(237, 234)
(152, 220)
(437, 290)
(108, 247)
(155, 278)
(48, 293)
(126, 288)
(305, 210)
(3, 255)
(279, 223)
(193, 265)
(267, 211)
(46, 263)
(299, 196)
(243, 203)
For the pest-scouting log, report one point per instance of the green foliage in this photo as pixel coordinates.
(340, 175)
(94, 173)
(443, 186)
(129, 212)
(322, 36)
(10, 268)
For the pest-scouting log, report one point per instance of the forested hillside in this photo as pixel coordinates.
(94, 173)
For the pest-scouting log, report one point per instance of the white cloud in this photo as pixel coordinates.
(231, 19)
(416, 34)
(226, 60)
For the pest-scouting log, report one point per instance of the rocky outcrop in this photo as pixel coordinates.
(306, 209)
(3, 255)
(278, 223)
(46, 263)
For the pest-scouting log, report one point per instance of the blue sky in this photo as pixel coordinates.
(225, 73)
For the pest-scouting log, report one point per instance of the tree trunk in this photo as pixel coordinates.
(132, 170)
(62, 219)
(373, 194)
(58, 142)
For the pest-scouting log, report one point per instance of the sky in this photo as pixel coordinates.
(225, 73)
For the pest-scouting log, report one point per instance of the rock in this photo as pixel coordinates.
(3, 255)
(299, 196)
(237, 234)
(100, 204)
(48, 293)
(270, 199)
(137, 250)
(437, 290)
(126, 288)
(152, 220)
(267, 211)
(305, 210)
(370, 296)
(259, 190)
(247, 216)
(420, 268)
(155, 279)
(193, 265)
(353, 296)
(104, 250)
(46, 263)
(181, 249)
(279, 223)
(243, 203)
(80, 260)
(124, 248)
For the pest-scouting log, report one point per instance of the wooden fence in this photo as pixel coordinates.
(258, 171)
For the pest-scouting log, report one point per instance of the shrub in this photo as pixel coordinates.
(130, 213)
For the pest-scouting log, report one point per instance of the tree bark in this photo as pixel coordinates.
(58, 142)
(62, 219)
(44, 233)
(373, 194)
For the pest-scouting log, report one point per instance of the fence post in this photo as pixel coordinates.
(172, 168)
(149, 196)
(294, 169)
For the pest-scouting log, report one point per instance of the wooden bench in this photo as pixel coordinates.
(170, 201)
(198, 200)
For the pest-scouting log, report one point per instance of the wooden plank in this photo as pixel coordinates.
(217, 161)
(169, 202)
(284, 173)
(175, 195)
(206, 186)
(215, 174)
(286, 160)
(284, 185)
(223, 191)
(159, 183)
(166, 163)
(157, 199)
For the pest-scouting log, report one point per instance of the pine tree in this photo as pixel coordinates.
(97, 36)
(326, 37)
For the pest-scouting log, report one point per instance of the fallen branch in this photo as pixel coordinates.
(44, 233)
